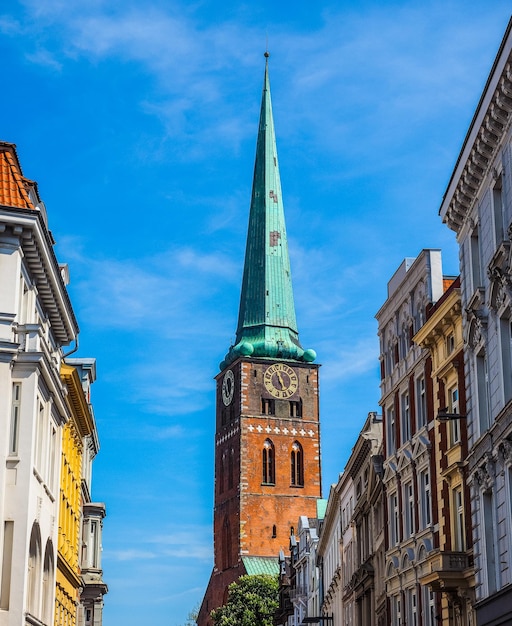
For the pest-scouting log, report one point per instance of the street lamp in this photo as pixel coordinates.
(444, 416)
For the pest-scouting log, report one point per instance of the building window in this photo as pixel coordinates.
(34, 571)
(396, 611)
(52, 460)
(421, 402)
(425, 496)
(297, 465)
(396, 354)
(476, 271)
(498, 213)
(296, 408)
(453, 407)
(489, 552)
(450, 344)
(222, 472)
(405, 418)
(409, 509)
(390, 430)
(506, 357)
(23, 302)
(94, 544)
(389, 360)
(268, 406)
(482, 376)
(394, 526)
(458, 520)
(231, 468)
(404, 342)
(5, 581)
(429, 607)
(411, 607)
(40, 437)
(47, 588)
(227, 543)
(15, 418)
(269, 467)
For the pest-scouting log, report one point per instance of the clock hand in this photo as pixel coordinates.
(280, 379)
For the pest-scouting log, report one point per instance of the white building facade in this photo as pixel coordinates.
(478, 206)
(36, 323)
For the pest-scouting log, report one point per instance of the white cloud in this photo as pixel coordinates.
(160, 290)
(192, 542)
(368, 71)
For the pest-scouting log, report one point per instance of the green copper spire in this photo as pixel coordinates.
(266, 320)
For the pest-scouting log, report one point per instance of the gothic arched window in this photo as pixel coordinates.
(227, 543)
(268, 463)
(297, 465)
(231, 469)
(222, 472)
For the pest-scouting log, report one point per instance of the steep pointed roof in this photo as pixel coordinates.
(266, 321)
(14, 187)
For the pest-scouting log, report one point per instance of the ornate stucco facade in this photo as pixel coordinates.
(409, 461)
(450, 565)
(477, 205)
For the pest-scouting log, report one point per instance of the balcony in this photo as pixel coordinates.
(298, 592)
(448, 571)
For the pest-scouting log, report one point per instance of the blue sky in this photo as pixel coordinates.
(138, 120)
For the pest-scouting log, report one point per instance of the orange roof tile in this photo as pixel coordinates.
(14, 186)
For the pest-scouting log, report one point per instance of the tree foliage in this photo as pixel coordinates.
(252, 601)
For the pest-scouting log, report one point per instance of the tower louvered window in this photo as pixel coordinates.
(269, 464)
(297, 465)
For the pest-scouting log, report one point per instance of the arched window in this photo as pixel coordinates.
(48, 583)
(231, 468)
(268, 463)
(227, 543)
(34, 571)
(297, 465)
(222, 472)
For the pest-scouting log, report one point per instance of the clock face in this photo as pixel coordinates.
(280, 380)
(228, 387)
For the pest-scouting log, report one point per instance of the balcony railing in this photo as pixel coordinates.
(298, 592)
(450, 562)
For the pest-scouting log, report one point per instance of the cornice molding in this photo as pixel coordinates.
(490, 125)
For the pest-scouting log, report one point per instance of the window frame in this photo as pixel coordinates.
(297, 465)
(268, 459)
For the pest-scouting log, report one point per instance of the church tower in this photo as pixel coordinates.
(267, 439)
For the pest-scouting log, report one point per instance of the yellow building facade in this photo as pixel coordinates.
(450, 564)
(70, 511)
